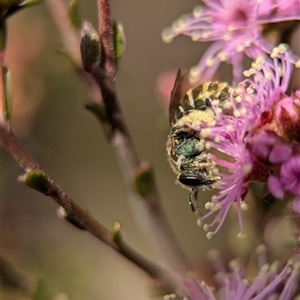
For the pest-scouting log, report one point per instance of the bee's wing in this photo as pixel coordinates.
(181, 86)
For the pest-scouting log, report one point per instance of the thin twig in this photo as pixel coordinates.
(106, 33)
(25, 160)
(147, 208)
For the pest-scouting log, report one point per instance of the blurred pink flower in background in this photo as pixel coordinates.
(20, 59)
(236, 29)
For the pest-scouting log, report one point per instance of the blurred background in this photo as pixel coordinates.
(66, 140)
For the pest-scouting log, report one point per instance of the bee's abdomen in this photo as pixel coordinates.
(200, 97)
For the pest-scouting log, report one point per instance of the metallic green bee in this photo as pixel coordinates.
(185, 146)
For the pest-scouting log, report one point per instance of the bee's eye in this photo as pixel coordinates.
(191, 180)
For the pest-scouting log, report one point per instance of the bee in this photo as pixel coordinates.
(186, 150)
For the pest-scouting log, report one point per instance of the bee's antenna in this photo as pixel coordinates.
(192, 196)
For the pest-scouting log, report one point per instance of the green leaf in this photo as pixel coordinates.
(62, 213)
(37, 181)
(28, 3)
(41, 292)
(7, 3)
(144, 181)
(119, 41)
(2, 36)
(24, 4)
(7, 93)
(116, 232)
(74, 15)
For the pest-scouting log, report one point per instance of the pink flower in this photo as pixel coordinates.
(256, 145)
(236, 29)
(271, 282)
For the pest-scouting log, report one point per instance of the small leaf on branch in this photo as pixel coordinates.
(89, 47)
(41, 292)
(74, 15)
(2, 36)
(18, 5)
(119, 41)
(116, 232)
(144, 181)
(100, 113)
(63, 214)
(28, 3)
(7, 94)
(37, 181)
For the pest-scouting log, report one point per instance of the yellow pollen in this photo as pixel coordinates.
(231, 28)
(169, 297)
(297, 64)
(177, 25)
(219, 110)
(247, 168)
(205, 34)
(238, 90)
(231, 90)
(222, 56)
(207, 205)
(238, 99)
(199, 222)
(194, 71)
(216, 102)
(217, 207)
(197, 11)
(217, 139)
(207, 145)
(195, 36)
(167, 35)
(241, 235)
(229, 128)
(236, 113)
(226, 37)
(209, 62)
(244, 206)
(250, 90)
(205, 227)
(256, 78)
(215, 171)
(247, 73)
(243, 111)
(275, 52)
(227, 105)
(216, 184)
(282, 48)
(205, 132)
(240, 48)
(209, 235)
(268, 75)
(247, 44)
(261, 248)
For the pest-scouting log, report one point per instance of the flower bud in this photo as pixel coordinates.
(89, 47)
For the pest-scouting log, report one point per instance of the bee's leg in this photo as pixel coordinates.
(192, 196)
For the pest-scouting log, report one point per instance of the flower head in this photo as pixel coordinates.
(236, 29)
(271, 282)
(256, 144)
